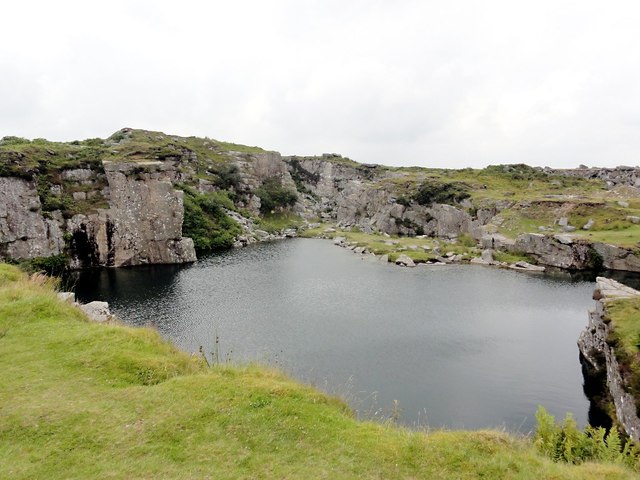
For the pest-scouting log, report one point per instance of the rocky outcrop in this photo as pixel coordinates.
(598, 356)
(24, 231)
(565, 251)
(617, 258)
(613, 177)
(560, 251)
(143, 224)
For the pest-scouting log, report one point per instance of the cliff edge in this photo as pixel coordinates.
(605, 350)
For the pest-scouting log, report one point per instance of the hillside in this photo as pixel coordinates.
(141, 197)
(86, 400)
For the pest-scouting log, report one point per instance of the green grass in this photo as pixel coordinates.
(512, 257)
(83, 400)
(629, 237)
(625, 317)
(379, 244)
(624, 337)
(277, 222)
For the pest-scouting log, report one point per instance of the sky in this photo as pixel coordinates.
(431, 83)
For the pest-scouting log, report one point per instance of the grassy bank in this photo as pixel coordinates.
(624, 316)
(82, 400)
(418, 249)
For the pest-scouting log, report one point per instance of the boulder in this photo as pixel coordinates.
(97, 311)
(68, 297)
(405, 261)
(479, 261)
(521, 265)
(487, 256)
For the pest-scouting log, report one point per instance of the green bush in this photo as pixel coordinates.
(566, 443)
(517, 171)
(432, 191)
(274, 197)
(54, 265)
(228, 176)
(206, 222)
(11, 140)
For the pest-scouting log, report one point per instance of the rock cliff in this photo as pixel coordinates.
(598, 356)
(128, 199)
(24, 231)
(143, 224)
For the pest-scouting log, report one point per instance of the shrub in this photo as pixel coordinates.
(54, 265)
(228, 176)
(273, 196)
(206, 222)
(517, 171)
(402, 200)
(11, 140)
(437, 192)
(566, 443)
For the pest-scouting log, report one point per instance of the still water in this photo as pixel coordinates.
(456, 346)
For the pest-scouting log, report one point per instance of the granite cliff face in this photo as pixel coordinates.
(24, 231)
(366, 196)
(143, 224)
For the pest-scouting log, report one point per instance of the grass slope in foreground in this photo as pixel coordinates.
(82, 400)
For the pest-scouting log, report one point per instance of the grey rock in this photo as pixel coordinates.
(97, 311)
(487, 256)
(24, 231)
(633, 219)
(405, 261)
(479, 261)
(588, 225)
(68, 297)
(527, 266)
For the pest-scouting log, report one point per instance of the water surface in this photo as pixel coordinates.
(456, 346)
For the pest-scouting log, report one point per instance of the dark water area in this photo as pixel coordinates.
(457, 346)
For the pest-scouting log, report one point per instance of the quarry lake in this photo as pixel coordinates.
(455, 346)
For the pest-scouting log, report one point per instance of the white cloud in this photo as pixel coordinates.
(460, 83)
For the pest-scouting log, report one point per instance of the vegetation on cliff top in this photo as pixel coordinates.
(83, 400)
(624, 337)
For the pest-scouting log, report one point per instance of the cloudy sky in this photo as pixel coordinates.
(430, 83)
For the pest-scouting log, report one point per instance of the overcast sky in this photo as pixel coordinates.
(431, 83)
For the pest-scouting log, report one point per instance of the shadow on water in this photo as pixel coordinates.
(115, 285)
